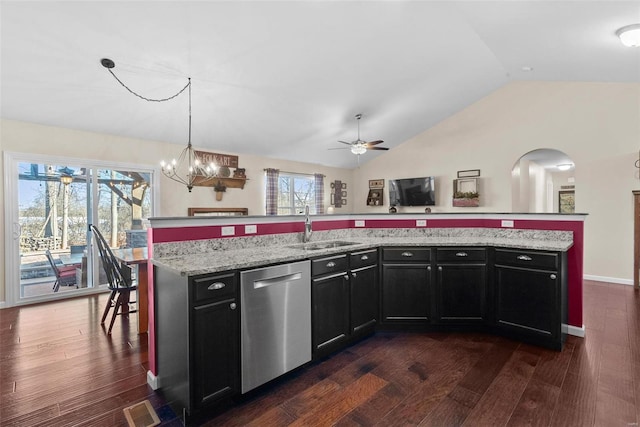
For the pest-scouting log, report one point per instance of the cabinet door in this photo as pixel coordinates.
(406, 293)
(461, 293)
(364, 299)
(330, 308)
(215, 359)
(527, 301)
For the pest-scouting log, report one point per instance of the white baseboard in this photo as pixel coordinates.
(616, 280)
(575, 331)
(153, 381)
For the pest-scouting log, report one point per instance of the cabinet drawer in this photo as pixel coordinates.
(214, 287)
(461, 254)
(333, 264)
(543, 260)
(363, 259)
(409, 254)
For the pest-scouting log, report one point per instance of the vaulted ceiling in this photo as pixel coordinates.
(285, 79)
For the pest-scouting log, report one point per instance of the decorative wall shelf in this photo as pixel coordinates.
(227, 182)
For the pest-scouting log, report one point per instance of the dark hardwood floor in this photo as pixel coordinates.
(59, 368)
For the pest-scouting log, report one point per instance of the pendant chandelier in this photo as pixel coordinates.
(188, 169)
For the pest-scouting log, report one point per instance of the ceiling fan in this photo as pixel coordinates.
(359, 146)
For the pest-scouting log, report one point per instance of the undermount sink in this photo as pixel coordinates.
(314, 246)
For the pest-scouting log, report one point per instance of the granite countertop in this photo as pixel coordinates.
(223, 260)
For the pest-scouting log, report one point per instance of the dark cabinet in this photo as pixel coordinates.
(531, 296)
(406, 285)
(363, 286)
(198, 337)
(461, 285)
(329, 303)
(216, 336)
(344, 299)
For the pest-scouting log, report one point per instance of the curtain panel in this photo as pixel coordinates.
(271, 207)
(319, 190)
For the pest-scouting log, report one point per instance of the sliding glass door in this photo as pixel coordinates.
(50, 248)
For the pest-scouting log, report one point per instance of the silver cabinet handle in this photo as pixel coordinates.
(524, 258)
(462, 254)
(346, 277)
(428, 268)
(439, 268)
(553, 276)
(232, 306)
(331, 264)
(406, 254)
(216, 286)
(354, 274)
(364, 257)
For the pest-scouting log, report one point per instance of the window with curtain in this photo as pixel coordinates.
(289, 193)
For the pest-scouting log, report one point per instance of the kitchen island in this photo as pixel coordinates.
(414, 281)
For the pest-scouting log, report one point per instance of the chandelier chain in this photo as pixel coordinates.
(144, 97)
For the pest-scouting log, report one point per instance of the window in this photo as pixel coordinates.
(295, 191)
(52, 201)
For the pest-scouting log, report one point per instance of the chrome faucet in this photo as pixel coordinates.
(307, 225)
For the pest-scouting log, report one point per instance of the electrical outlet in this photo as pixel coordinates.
(228, 231)
(250, 229)
(421, 222)
(359, 223)
(507, 223)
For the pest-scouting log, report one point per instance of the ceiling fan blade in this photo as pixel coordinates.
(345, 142)
(377, 148)
(375, 142)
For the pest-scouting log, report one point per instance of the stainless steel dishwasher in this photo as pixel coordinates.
(275, 321)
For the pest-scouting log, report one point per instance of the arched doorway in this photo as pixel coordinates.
(543, 181)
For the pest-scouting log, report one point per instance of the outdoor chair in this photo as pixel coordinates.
(65, 275)
(119, 281)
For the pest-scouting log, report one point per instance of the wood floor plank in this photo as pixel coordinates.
(448, 412)
(375, 408)
(310, 398)
(536, 406)
(484, 372)
(577, 401)
(342, 402)
(502, 396)
(414, 408)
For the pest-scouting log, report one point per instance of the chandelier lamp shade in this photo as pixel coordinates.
(630, 35)
(187, 169)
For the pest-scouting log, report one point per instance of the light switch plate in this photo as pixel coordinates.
(228, 231)
(507, 223)
(421, 222)
(359, 223)
(250, 229)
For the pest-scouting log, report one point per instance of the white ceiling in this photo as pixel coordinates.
(285, 79)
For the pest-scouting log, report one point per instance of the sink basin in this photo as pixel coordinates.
(315, 246)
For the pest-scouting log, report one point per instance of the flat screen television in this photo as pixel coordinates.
(412, 191)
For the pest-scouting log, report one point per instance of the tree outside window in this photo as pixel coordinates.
(294, 193)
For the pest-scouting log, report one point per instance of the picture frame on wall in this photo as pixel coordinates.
(567, 201)
(471, 173)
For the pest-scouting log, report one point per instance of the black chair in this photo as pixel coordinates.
(65, 275)
(119, 278)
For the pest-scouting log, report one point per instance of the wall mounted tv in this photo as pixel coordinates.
(412, 191)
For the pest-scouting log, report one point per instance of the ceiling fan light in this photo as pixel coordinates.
(358, 149)
(630, 35)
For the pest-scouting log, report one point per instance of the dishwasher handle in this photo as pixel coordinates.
(275, 280)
